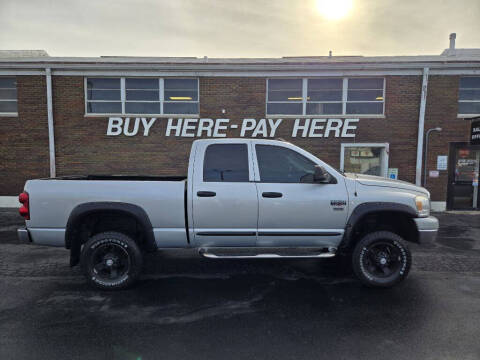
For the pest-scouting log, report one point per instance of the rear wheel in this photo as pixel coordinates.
(381, 259)
(111, 261)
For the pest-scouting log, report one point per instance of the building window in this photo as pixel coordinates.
(365, 158)
(469, 96)
(103, 96)
(365, 96)
(8, 96)
(285, 96)
(141, 96)
(326, 96)
(180, 96)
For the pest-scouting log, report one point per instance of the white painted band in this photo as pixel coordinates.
(9, 201)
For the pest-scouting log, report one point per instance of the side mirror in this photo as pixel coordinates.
(321, 176)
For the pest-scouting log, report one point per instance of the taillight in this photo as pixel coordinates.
(24, 209)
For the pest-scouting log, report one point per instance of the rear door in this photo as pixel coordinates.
(225, 203)
(294, 211)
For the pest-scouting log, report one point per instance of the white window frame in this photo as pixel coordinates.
(343, 101)
(15, 113)
(123, 96)
(459, 115)
(383, 160)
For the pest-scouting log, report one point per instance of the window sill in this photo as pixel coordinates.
(467, 116)
(327, 116)
(8, 114)
(165, 116)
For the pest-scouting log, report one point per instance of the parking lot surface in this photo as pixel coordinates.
(186, 307)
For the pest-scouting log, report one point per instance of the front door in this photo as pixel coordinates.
(225, 205)
(294, 211)
(463, 191)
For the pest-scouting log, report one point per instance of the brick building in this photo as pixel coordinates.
(135, 115)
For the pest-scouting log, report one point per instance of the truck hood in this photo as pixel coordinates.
(370, 180)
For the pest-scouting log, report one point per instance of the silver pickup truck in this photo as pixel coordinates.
(242, 198)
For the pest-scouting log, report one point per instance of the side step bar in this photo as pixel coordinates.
(279, 253)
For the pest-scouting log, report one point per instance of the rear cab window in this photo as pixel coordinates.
(226, 163)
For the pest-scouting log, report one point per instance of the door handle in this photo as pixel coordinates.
(272, 195)
(206, 193)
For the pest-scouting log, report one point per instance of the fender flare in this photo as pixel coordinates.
(81, 211)
(367, 208)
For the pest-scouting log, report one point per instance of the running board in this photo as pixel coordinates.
(267, 253)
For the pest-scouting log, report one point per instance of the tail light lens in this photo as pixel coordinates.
(24, 209)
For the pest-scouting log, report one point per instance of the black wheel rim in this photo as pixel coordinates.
(382, 259)
(110, 263)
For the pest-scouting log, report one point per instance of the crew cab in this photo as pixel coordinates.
(242, 198)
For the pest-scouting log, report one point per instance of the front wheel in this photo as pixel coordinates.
(111, 261)
(381, 259)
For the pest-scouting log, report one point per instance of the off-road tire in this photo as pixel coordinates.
(364, 248)
(130, 254)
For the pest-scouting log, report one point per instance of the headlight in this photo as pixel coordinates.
(423, 206)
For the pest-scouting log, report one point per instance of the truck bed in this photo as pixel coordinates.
(52, 200)
(120, 177)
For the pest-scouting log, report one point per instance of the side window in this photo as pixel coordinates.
(226, 162)
(281, 165)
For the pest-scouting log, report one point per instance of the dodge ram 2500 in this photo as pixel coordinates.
(242, 198)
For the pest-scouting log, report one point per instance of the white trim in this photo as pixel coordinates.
(8, 114)
(467, 116)
(384, 156)
(161, 93)
(338, 116)
(21, 72)
(345, 94)
(85, 94)
(51, 132)
(9, 202)
(251, 73)
(123, 95)
(421, 127)
(438, 206)
(262, 64)
(174, 116)
(304, 95)
(273, 74)
(454, 72)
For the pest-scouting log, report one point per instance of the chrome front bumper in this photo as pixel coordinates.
(427, 229)
(23, 235)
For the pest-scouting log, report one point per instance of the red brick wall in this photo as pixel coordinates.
(441, 111)
(82, 146)
(24, 139)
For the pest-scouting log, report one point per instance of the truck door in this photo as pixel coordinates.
(293, 210)
(225, 203)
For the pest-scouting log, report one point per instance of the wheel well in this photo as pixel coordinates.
(99, 221)
(397, 222)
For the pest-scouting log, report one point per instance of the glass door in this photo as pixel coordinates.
(463, 192)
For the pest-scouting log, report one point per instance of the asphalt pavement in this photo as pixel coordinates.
(186, 307)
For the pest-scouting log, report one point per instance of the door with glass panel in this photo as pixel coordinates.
(293, 210)
(225, 204)
(463, 177)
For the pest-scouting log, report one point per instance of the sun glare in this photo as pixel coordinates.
(334, 9)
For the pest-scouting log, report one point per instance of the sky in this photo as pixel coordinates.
(238, 28)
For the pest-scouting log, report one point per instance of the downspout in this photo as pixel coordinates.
(421, 127)
(51, 138)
